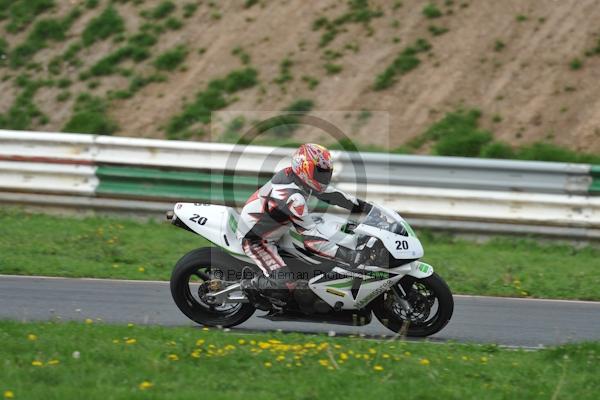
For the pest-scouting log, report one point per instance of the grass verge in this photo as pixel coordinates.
(132, 362)
(32, 244)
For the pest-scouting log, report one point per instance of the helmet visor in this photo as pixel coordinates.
(323, 175)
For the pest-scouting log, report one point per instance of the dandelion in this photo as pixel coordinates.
(343, 356)
(464, 358)
(173, 357)
(199, 342)
(280, 358)
(324, 363)
(89, 321)
(145, 385)
(378, 368)
(195, 354)
(205, 329)
(53, 362)
(372, 351)
(268, 364)
(407, 353)
(385, 355)
(131, 341)
(241, 341)
(37, 363)
(130, 325)
(141, 269)
(32, 337)
(171, 343)
(115, 341)
(425, 362)
(8, 394)
(229, 347)
(253, 342)
(264, 345)
(484, 359)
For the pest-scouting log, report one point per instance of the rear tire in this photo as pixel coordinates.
(199, 262)
(383, 307)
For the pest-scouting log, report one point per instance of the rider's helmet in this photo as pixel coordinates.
(312, 165)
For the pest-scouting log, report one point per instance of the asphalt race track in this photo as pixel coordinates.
(505, 321)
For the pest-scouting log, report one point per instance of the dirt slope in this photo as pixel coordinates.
(511, 59)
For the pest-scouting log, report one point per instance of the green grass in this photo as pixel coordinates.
(24, 112)
(43, 31)
(171, 59)
(431, 11)
(89, 116)
(405, 62)
(358, 11)
(108, 23)
(21, 13)
(136, 49)
(33, 244)
(100, 361)
(216, 96)
(162, 10)
(458, 134)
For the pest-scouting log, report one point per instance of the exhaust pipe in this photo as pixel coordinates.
(170, 214)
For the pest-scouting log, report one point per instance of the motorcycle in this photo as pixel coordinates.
(403, 293)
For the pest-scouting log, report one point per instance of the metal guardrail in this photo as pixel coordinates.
(127, 174)
(376, 168)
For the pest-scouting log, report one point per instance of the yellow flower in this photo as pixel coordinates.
(280, 358)
(464, 358)
(229, 347)
(145, 385)
(484, 359)
(141, 269)
(407, 353)
(196, 354)
(268, 364)
(89, 321)
(199, 342)
(53, 362)
(366, 356)
(372, 351)
(130, 325)
(424, 362)
(253, 342)
(241, 341)
(8, 394)
(385, 355)
(31, 337)
(324, 363)
(37, 363)
(173, 357)
(205, 329)
(378, 367)
(264, 345)
(343, 356)
(116, 341)
(131, 341)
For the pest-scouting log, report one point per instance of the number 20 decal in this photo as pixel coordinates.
(401, 245)
(198, 219)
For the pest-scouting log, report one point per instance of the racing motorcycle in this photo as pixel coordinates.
(403, 293)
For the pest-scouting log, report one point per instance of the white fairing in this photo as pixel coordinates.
(400, 247)
(211, 222)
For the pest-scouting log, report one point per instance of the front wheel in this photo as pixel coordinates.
(191, 282)
(416, 307)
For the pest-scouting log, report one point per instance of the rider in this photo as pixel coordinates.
(282, 202)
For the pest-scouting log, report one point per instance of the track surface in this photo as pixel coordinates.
(506, 321)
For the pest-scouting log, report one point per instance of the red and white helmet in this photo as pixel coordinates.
(312, 165)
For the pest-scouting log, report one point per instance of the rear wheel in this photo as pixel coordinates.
(191, 281)
(416, 307)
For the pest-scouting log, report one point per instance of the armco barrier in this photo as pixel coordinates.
(127, 174)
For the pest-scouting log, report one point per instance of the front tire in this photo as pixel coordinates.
(199, 263)
(426, 296)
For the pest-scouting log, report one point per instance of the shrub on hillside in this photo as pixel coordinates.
(431, 11)
(90, 117)
(108, 23)
(171, 59)
(21, 13)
